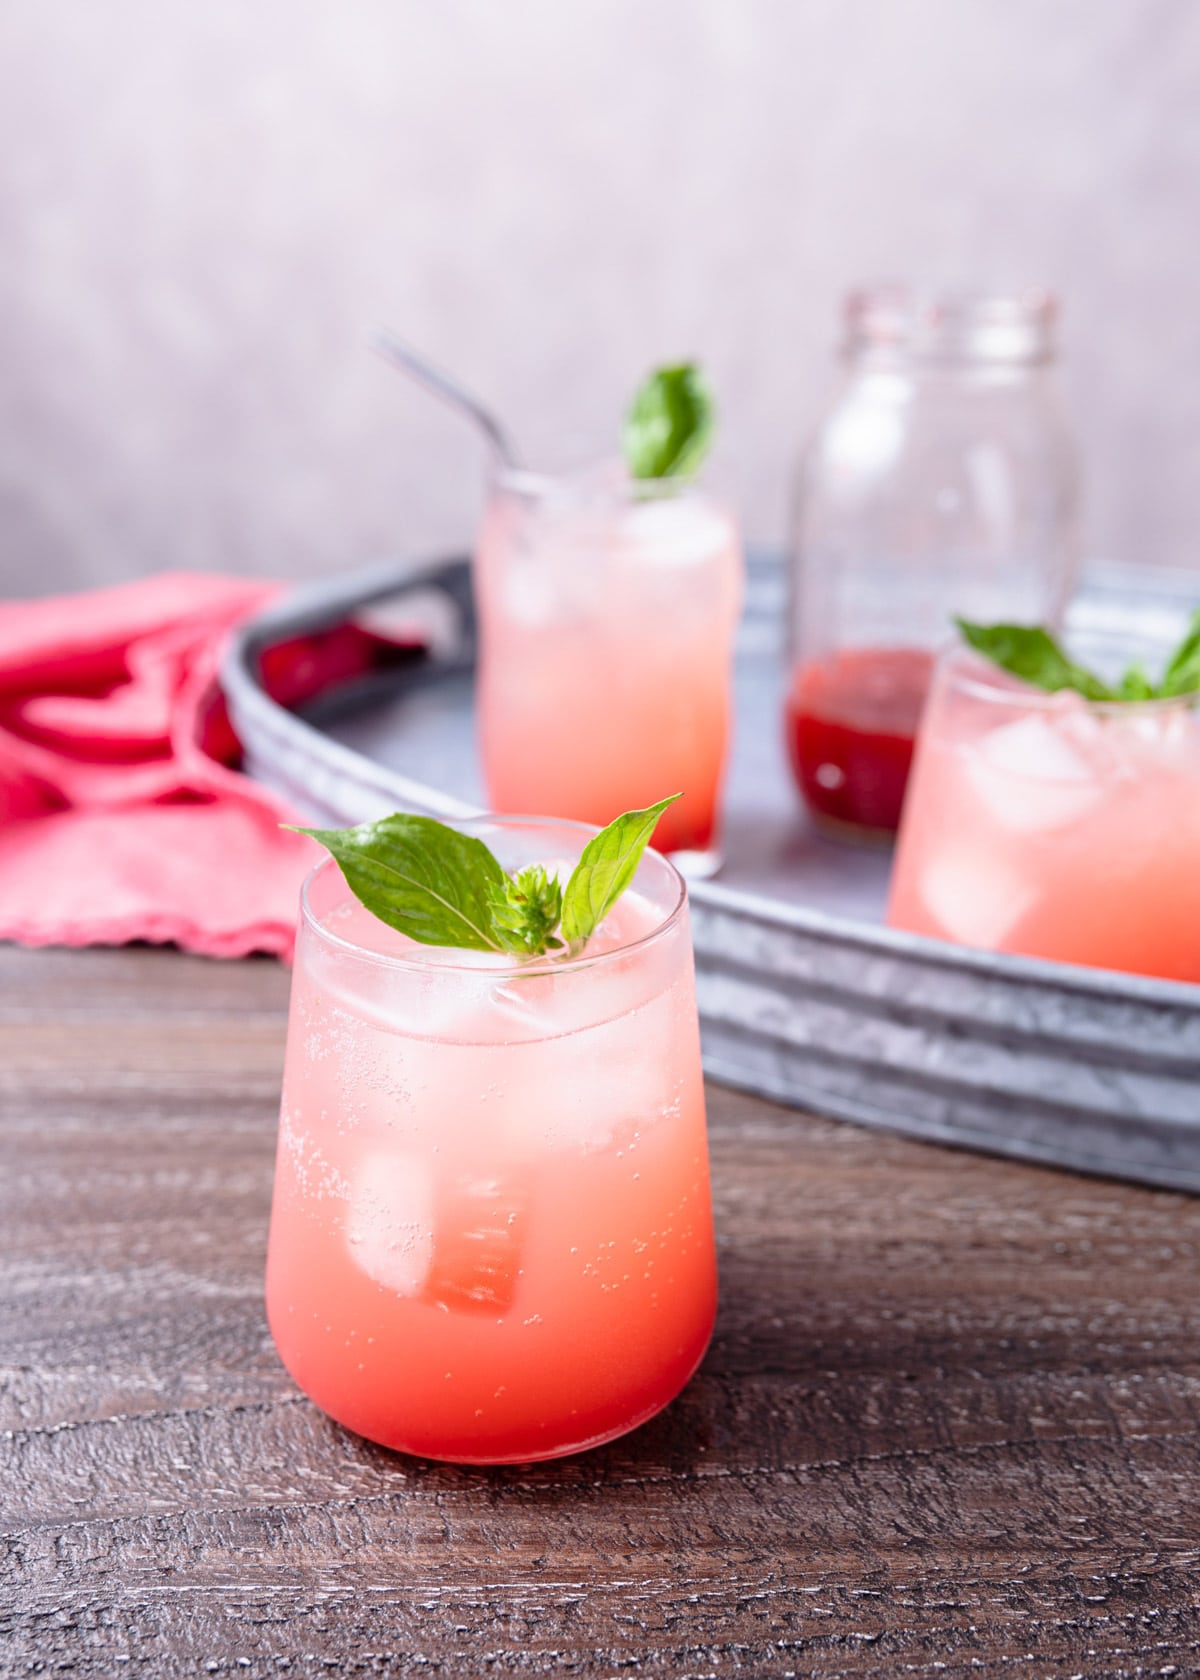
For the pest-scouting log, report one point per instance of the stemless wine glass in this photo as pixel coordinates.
(940, 481)
(607, 610)
(491, 1237)
(1053, 826)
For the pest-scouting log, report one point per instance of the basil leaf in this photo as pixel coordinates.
(1032, 654)
(606, 866)
(422, 878)
(669, 426)
(1182, 675)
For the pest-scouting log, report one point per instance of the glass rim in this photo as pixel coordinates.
(418, 962)
(984, 325)
(535, 483)
(970, 673)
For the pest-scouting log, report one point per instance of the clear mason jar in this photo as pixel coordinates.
(941, 481)
(491, 1234)
(607, 613)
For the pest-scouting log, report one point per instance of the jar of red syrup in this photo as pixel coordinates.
(941, 481)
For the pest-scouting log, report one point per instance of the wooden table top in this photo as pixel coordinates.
(948, 1423)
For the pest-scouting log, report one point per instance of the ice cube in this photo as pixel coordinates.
(529, 598)
(610, 1083)
(478, 1237)
(454, 1244)
(671, 531)
(1037, 774)
(558, 569)
(582, 1121)
(1168, 730)
(441, 993)
(543, 1005)
(390, 1223)
(975, 896)
(520, 1009)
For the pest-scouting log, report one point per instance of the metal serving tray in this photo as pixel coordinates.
(804, 995)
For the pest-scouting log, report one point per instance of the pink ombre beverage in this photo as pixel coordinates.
(1053, 826)
(491, 1237)
(608, 610)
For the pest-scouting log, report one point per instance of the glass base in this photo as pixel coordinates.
(413, 1446)
(697, 866)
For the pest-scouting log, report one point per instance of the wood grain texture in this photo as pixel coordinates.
(948, 1424)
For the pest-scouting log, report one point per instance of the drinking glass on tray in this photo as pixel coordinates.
(608, 601)
(1059, 824)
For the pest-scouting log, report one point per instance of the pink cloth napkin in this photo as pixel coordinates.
(120, 814)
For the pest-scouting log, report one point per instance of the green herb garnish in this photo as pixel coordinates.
(530, 912)
(1031, 653)
(606, 866)
(442, 887)
(669, 426)
(1182, 675)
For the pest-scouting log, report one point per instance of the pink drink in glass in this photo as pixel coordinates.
(491, 1237)
(1051, 826)
(607, 616)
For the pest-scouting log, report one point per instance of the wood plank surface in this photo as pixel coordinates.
(947, 1426)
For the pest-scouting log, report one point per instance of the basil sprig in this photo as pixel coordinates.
(1031, 653)
(442, 887)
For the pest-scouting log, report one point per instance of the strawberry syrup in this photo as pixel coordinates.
(851, 722)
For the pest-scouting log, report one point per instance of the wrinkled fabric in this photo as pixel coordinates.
(121, 815)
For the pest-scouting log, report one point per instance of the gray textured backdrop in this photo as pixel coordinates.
(204, 206)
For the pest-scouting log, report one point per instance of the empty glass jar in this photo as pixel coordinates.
(941, 481)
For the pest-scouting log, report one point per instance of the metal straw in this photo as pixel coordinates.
(394, 350)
